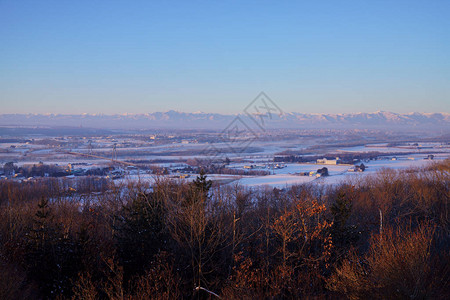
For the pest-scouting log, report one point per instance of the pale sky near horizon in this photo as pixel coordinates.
(146, 56)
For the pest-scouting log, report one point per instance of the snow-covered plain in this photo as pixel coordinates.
(384, 148)
(278, 180)
(338, 173)
(175, 153)
(286, 177)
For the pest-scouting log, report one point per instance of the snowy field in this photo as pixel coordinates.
(421, 147)
(338, 173)
(279, 180)
(286, 177)
(173, 155)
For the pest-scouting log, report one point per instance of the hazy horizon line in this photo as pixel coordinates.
(219, 113)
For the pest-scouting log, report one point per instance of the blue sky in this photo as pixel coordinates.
(145, 56)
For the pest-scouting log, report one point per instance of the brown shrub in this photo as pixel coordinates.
(399, 264)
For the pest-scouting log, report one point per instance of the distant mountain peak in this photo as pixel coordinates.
(176, 119)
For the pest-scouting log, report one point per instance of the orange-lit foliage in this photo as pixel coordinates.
(401, 263)
(180, 240)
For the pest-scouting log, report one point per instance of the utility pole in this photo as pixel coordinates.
(90, 147)
(381, 223)
(114, 152)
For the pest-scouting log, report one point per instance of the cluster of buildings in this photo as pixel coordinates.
(319, 173)
(261, 167)
(356, 168)
(324, 161)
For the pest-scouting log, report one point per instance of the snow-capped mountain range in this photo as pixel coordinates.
(197, 120)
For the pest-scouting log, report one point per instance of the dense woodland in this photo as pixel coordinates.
(384, 237)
